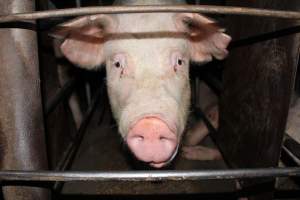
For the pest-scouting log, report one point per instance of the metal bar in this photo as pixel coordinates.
(63, 93)
(73, 147)
(22, 131)
(147, 175)
(208, 9)
(292, 148)
(264, 37)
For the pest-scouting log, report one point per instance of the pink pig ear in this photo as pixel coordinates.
(207, 40)
(83, 39)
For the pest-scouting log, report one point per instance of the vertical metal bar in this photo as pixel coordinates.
(62, 94)
(73, 147)
(22, 137)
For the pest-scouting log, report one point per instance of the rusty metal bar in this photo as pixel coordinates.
(208, 9)
(148, 175)
(63, 93)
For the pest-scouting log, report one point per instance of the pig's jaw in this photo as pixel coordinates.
(163, 164)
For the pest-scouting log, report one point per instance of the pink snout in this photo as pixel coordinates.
(152, 141)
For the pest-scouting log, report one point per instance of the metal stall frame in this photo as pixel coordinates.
(205, 9)
(58, 175)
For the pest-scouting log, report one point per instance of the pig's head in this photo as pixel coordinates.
(147, 64)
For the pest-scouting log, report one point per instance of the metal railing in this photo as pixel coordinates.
(148, 175)
(224, 10)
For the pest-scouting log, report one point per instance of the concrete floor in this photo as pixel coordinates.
(102, 149)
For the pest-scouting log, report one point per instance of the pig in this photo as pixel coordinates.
(147, 57)
(191, 150)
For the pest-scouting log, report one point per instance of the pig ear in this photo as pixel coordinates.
(206, 39)
(83, 39)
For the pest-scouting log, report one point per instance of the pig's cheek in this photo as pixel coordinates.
(125, 89)
(177, 85)
(121, 86)
(182, 94)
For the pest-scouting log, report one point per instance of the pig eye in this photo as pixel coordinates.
(117, 64)
(119, 61)
(180, 61)
(177, 60)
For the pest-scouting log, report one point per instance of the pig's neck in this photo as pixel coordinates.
(149, 2)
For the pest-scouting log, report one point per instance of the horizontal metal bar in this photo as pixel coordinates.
(147, 175)
(62, 93)
(208, 9)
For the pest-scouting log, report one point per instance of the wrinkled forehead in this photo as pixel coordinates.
(146, 34)
(141, 48)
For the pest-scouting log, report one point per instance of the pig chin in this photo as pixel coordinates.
(152, 133)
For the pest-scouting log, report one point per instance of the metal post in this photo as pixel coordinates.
(22, 138)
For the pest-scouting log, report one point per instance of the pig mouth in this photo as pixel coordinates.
(164, 164)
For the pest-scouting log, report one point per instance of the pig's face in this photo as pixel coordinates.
(148, 85)
(147, 63)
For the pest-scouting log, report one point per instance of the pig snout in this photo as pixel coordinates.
(152, 141)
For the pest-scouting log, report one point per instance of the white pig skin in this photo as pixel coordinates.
(147, 59)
